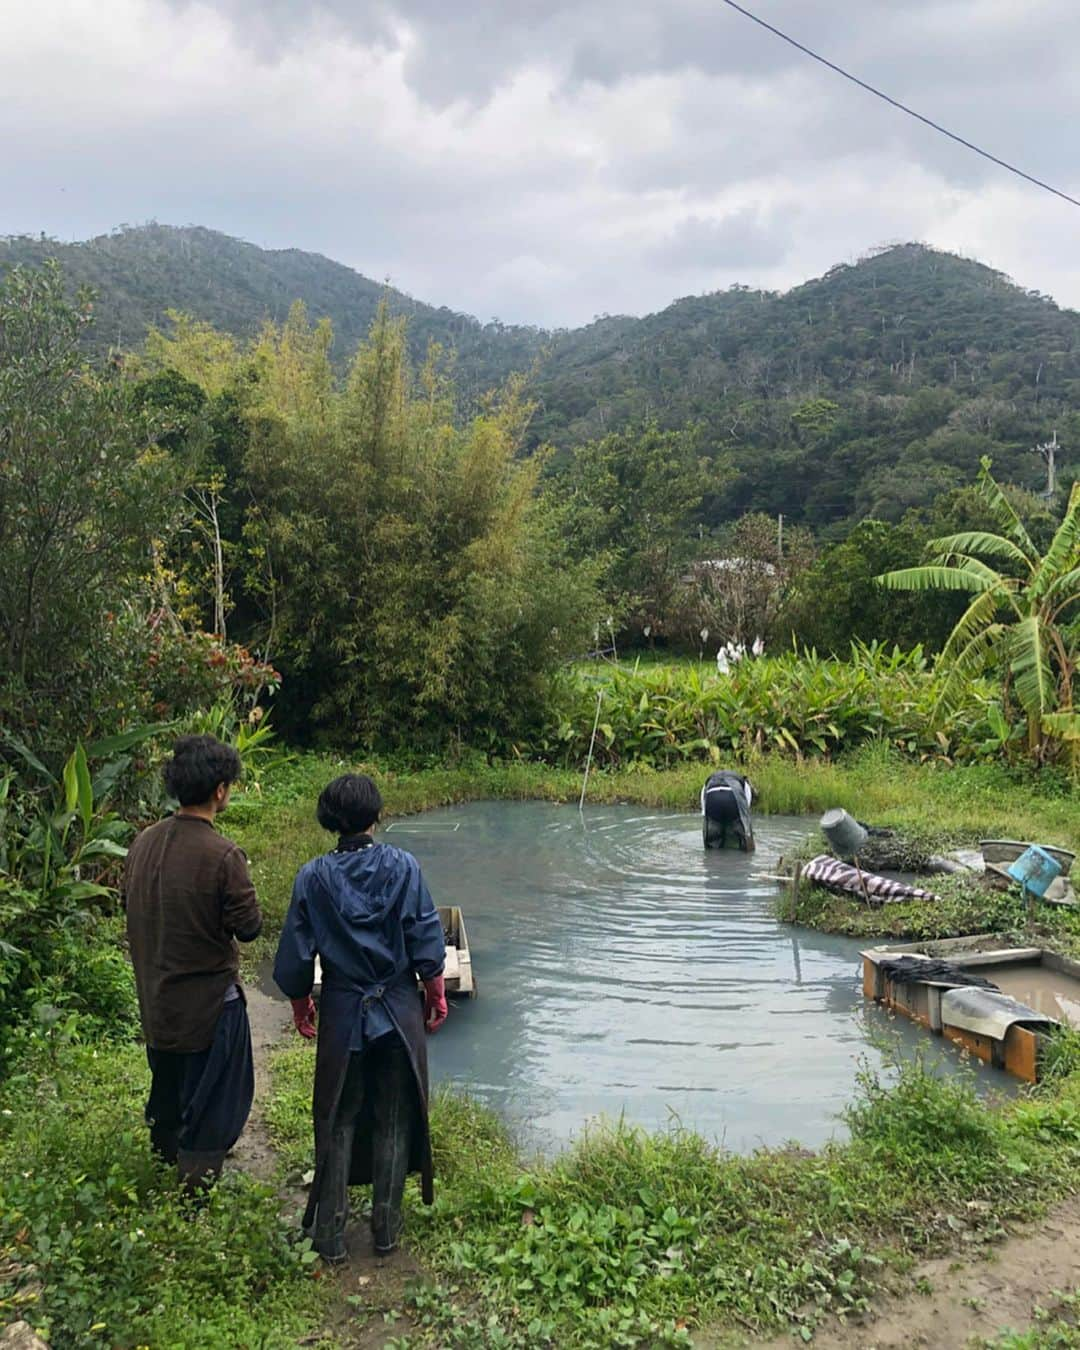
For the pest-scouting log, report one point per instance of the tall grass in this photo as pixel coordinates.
(796, 704)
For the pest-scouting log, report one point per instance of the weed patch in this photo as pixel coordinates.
(99, 1247)
(632, 1238)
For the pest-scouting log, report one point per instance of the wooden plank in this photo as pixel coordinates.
(1022, 1053)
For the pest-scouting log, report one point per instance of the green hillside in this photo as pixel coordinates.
(865, 392)
(141, 273)
(862, 393)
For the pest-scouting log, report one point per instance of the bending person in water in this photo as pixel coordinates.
(365, 911)
(725, 810)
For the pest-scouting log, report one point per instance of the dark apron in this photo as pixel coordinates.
(341, 1005)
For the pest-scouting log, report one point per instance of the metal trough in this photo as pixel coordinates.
(1038, 991)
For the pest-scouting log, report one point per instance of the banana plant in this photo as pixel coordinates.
(1021, 617)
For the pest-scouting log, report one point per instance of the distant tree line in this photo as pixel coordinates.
(214, 512)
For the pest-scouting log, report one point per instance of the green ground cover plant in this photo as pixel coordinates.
(1056, 1327)
(630, 1238)
(98, 1246)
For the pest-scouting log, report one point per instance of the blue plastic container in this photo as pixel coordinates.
(1035, 870)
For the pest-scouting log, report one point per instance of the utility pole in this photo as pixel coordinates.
(1049, 453)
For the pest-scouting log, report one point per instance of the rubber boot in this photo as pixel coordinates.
(199, 1171)
(332, 1211)
(165, 1143)
(394, 1119)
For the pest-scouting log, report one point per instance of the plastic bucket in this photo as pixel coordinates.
(1035, 870)
(846, 836)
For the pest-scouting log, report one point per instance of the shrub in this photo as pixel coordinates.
(86, 497)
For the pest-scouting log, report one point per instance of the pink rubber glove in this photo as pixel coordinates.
(435, 1009)
(303, 1016)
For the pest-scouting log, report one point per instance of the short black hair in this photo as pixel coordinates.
(350, 804)
(198, 765)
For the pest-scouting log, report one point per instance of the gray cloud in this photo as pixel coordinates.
(546, 160)
(743, 239)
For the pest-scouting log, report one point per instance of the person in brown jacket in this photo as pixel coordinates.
(189, 899)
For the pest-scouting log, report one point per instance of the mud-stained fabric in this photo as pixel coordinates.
(365, 911)
(378, 1095)
(927, 970)
(840, 876)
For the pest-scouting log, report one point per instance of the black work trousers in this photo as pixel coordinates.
(380, 1085)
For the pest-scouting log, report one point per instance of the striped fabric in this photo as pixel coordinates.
(841, 876)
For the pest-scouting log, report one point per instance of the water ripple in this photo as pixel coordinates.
(623, 970)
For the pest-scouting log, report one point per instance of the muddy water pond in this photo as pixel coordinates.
(623, 970)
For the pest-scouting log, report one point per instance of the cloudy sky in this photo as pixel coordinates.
(549, 160)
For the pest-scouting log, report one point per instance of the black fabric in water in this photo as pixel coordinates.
(919, 970)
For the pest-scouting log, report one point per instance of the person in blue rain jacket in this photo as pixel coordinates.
(364, 910)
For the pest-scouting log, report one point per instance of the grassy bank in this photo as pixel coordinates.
(955, 804)
(964, 907)
(98, 1247)
(627, 1238)
(632, 1239)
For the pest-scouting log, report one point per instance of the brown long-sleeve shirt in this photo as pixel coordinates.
(189, 896)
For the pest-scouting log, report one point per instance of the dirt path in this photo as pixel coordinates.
(970, 1301)
(378, 1284)
(270, 1020)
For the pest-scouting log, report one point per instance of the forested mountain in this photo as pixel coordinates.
(142, 273)
(865, 392)
(862, 393)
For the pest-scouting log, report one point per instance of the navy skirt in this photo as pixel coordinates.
(204, 1098)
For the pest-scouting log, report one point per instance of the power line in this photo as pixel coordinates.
(936, 126)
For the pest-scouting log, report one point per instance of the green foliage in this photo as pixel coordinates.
(1056, 1327)
(932, 1128)
(836, 601)
(867, 392)
(83, 498)
(1017, 619)
(60, 850)
(739, 593)
(629, 499)
(101, 1248)
(793, 704)
(250, 735)
(154, 275)
(410, 577)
